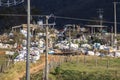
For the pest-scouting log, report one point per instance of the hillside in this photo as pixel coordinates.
(77, 8)
(84, 9)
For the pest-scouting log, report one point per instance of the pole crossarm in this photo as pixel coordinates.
(8, 3)
(52, 24)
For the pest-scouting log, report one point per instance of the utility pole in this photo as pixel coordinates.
(100, 11)
(28, 42)
(112, 36)
(115, 22)
(45, 77)
(69, 34)
(69, 38)
(46, 54)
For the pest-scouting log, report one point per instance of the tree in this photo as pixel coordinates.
(18, 37)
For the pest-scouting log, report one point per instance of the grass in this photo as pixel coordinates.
(16, 69)
(12, 71)
(36, 76)
(4, 49)
(2, 56)
(2, 59)
(89, 71)
(74, 69)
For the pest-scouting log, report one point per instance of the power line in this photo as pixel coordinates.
(58, 17)
(90, 20)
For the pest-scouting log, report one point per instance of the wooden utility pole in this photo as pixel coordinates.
(112, 36)
(46, 54)
(100, 11)
(28, 42)
(69, 38)
(115, 22)
(47, 49)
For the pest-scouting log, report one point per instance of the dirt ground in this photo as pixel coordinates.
(2, 52)
(36, 68)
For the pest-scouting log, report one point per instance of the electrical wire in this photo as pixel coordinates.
(59, 17)
(89, 20)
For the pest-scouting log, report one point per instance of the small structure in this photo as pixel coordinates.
(24, 27)
(93, 28)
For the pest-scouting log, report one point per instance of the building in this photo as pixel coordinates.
(24, 27)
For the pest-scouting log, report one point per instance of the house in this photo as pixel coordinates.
(24, 27)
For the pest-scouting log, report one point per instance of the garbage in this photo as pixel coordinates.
(9, 53)
(34, 54)
(91, 53)
(117, 54)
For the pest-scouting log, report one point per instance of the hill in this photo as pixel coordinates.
(84, 9)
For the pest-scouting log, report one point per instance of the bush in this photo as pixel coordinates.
(57, 70)
(84, 75)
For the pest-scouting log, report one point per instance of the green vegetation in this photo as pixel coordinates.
(16, 70)
(74, 71)
(77, 70)
(37, 76)
(2, 56)
(79, 75)
(13, 71)
(2, 59)
(4, 49)
(18, 37)
(97, 40)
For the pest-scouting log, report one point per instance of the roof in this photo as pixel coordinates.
(25, 26)
(95, 26)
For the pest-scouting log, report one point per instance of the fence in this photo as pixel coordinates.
(5, 63)
(91, 61)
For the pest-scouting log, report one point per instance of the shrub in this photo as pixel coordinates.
(57, 70)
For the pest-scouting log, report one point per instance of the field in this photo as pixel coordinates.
(2, 56)
(17, 71)
(76, 68)
(68, 68)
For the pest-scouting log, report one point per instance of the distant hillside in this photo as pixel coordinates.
(77, 8)
(84, 9)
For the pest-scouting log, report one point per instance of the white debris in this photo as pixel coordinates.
(9, 52)
(86, 46)
(117, 54)
(34, 54)
(91, 53)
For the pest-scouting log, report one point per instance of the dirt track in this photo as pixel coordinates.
(36, 68)
(2, 52)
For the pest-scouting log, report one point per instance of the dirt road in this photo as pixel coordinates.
(37, 67)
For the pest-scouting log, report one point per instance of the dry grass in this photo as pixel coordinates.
(17, 71)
